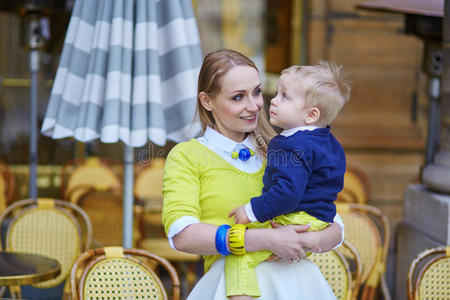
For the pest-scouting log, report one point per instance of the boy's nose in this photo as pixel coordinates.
(273, 101)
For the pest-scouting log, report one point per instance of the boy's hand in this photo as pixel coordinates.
(240, 216)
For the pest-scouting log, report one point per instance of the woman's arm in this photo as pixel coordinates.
(197, 238)
(287, 242)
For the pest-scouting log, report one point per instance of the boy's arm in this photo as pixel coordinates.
(240, 215)
(290, 173)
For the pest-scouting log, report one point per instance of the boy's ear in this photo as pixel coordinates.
(205, 101)
(313, 116)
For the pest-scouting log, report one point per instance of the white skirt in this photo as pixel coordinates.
(277, 281)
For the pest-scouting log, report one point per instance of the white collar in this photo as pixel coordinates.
(224, 143)
(291, 131)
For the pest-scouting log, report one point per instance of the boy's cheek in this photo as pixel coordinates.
(272, 121)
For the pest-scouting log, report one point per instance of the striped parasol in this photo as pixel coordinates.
(128, 72)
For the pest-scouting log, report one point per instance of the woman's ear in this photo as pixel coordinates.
(313, 116)
(206, 101)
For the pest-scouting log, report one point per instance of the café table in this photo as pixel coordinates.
(18, 269)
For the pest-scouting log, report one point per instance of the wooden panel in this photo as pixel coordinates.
(317, 8)
(378, 43)
(344, 5)
(389, 174)
(383, 65)
(316, 40)
(278, 34)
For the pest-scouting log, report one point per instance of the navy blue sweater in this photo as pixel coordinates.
(304, 172)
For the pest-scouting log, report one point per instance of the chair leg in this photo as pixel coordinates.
(15, 291)
(384, 289)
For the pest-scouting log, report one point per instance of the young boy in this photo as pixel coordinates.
(305, 165)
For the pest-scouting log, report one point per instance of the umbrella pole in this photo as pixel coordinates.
(128, 179)
(34, 65)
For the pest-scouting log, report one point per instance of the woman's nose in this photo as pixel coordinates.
(255, 104)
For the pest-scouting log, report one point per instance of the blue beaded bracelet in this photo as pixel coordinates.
(221, 239)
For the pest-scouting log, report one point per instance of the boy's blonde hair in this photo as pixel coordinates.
(324, 86)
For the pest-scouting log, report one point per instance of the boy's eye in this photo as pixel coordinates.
(284, 96)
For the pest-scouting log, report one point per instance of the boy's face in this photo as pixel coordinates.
(287, 109)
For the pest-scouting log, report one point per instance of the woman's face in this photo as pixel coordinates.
(237, 106)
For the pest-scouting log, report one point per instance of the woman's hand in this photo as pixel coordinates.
(315, 241)
(289, 244)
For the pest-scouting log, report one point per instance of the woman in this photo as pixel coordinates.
(204, 179)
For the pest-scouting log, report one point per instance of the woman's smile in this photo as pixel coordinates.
(250, 119)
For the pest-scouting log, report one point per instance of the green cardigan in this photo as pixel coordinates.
(198, 183)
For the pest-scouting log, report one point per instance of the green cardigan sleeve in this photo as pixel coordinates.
(181, 185)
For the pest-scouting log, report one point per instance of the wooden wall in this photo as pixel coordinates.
(383, 127)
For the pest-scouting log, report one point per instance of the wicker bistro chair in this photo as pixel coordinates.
(356, 266)
(367, 229)
(7, 186)
(118, 273)
(342, 273)
(96, 172)
(148, 184)
(53, 228)
(429, 275)
(356, 186)
(105, 210)
(347, 196)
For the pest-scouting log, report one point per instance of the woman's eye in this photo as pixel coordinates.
(237, 97)
(257, 92)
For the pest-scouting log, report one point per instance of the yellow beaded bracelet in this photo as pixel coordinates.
(237, 237)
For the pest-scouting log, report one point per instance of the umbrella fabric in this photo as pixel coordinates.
(128, 71)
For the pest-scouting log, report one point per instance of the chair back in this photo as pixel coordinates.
(429, 275)
(104, 273)
(356, 267)
(367, 229)
(7, 186)
(336, 270)
(3, 199)
(149, 182)
(48, 227)
(356, 186)
(95, 172)
(105, 210)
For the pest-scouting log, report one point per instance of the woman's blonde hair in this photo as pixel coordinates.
(214, 66)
